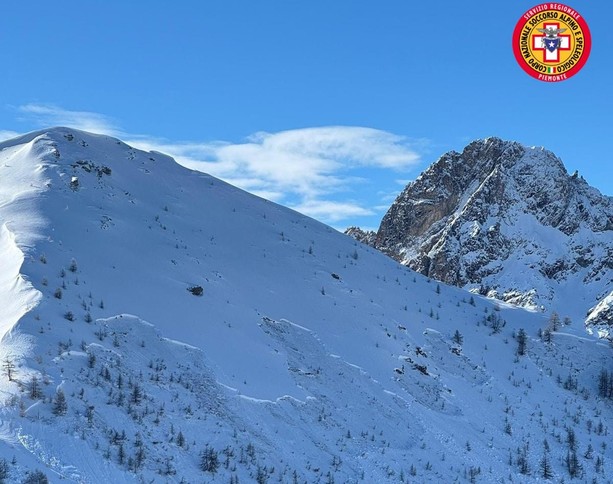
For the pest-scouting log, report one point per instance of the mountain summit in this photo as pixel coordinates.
(507, 221)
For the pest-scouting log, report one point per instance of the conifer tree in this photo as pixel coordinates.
(554, 321)
(34, 390)
(8, 366)
(59, 404)
(458, 338)
(522, 339)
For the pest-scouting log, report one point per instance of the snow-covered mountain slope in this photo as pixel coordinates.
(508, 221)
(162, 326)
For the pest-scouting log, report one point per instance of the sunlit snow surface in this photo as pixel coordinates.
(307, 356)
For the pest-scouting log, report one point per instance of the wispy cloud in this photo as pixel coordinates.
(332, 211)
(8, 134)
(310, 162)
(312, 165)
(46, 115)
(313, 170)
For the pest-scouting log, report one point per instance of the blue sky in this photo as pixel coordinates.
(329, 107)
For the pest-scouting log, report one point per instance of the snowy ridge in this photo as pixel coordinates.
(186, 331)
(21, 183)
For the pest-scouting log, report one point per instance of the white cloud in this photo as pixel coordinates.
(8, 134)
(313, 165)
(307, 168)
(331, 211)
(46, 115)
(307, 161)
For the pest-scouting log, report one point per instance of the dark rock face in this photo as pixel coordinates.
(365, 236)
(507, 221)
(600, 317)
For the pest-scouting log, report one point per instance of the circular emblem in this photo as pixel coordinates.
(551, 42)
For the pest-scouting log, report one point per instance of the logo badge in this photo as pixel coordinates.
(551, 42)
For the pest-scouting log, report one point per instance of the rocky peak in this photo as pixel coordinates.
(365, 236)
(505, 220)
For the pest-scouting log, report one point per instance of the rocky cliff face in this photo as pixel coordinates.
(367, 237)
(508, 221)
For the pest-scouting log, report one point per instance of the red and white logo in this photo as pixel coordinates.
(551, 42)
